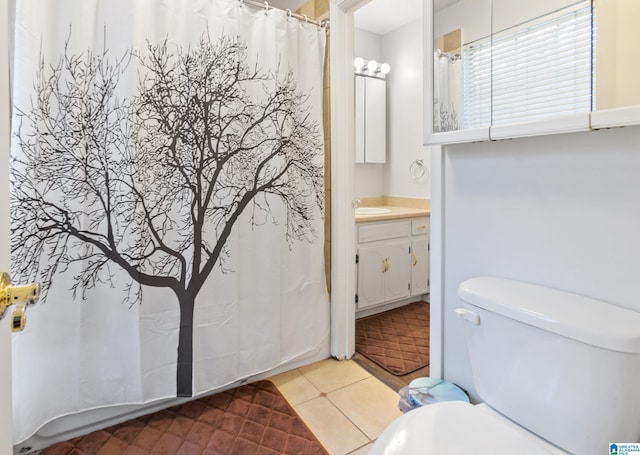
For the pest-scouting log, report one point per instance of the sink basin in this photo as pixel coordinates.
(372, 211)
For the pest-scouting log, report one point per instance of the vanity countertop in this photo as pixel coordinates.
(396, 213)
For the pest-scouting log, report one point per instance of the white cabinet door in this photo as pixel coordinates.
(376, 120)
(383, 272)
(398, 270)
(371, 119)
(419, 266)
(371, 267)
(360, 116)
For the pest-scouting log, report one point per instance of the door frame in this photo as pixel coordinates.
(6, 427)
(343, 279)
(343, 242)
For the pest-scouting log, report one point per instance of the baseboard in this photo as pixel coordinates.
(390, 306)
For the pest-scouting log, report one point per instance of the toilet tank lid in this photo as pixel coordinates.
(570, 315)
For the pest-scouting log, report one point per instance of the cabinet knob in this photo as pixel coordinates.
(385, 265)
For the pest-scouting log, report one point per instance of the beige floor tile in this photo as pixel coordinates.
(362, 450)
(295, 387)
(369, 404)
(329, 375)
(338, 435)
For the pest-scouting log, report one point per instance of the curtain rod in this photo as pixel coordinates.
(302, 17)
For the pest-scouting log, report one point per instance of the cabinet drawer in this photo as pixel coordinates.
(420, 226)
(370, 232)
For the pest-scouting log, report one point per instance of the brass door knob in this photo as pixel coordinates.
(20, 296)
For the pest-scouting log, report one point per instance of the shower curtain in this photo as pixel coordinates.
(167, 191)
(447, 92)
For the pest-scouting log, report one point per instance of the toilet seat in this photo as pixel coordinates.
(458, 427)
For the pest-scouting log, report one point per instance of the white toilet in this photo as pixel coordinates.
(557, 373)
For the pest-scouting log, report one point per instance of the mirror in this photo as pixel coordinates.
(458, 28)
(371, 123)
(532, 66)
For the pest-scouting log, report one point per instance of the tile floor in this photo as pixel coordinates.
(341, 403)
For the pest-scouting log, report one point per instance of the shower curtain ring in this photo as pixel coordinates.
(289, 14)
(240, 3)
(266, 8)
(306, 19)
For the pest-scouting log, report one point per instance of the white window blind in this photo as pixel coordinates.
(536, 69)
(476, 84)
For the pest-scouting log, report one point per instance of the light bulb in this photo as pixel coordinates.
(358, 62)
(372, 66)
(385, 68)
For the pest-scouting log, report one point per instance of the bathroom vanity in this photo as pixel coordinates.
(392, 259)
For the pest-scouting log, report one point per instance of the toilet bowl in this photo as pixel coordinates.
(457, 427)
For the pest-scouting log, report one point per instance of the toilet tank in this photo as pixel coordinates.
(563, 366)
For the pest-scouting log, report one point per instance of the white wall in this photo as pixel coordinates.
(472, 16)
(402, 49)
(475, 19)
(367, 45)
(561, 211)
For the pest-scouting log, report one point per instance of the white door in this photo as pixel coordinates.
(5, 332)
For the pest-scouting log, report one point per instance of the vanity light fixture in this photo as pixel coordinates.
(371, 67)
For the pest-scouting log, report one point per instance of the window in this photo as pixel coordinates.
(537, 69)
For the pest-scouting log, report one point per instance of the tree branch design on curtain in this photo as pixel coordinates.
(153, 186)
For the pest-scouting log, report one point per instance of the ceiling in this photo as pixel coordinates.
(287, 4)
(378, 16)
(383, 16)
